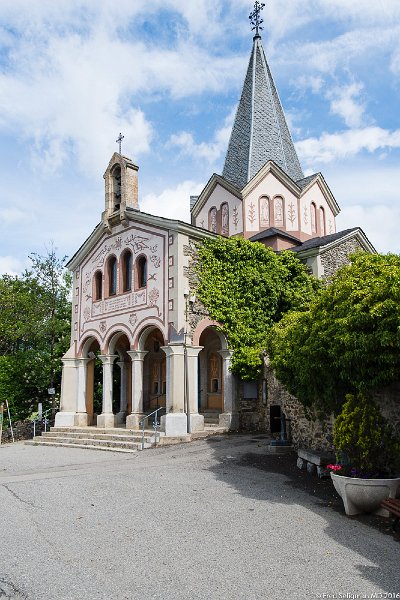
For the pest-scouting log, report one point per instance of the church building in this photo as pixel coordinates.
(134, 305)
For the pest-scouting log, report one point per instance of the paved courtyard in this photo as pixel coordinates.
(184, 522)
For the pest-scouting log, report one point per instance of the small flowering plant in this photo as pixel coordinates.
(346, 471)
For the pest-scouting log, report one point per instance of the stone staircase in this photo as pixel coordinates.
(211, 418)
(114, 440)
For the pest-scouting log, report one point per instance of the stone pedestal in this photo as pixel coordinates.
(196, 420)
(137, 358)
(65, 419)
(174, 424)
(230, 416)
(123, 403)
(107, 418)
(133, 420)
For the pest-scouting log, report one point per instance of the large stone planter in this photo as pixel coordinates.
(365, 495)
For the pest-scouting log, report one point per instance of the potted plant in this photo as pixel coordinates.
(368, 457)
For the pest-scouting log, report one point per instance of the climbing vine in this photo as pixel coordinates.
(247, 288)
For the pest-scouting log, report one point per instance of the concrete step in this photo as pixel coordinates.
(99, 436)
(130, 445)
(110, 430)
(39, 442)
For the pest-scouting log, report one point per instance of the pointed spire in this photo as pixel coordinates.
(260, 132)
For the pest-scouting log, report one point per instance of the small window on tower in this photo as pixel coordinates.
(116, 181)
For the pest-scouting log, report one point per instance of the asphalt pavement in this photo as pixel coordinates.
(193, 521)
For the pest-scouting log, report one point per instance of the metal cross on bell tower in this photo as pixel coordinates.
(255, 17)
(119, 141)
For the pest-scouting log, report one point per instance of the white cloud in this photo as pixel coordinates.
(9, 265)
(69, 87)
(13, 215)
(173, 203)
(334, 146)
(210, 151)
(344, 103)
(379, 222)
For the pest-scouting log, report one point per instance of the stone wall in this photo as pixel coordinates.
(388, 399)
(307, 431)
(338, 256)
(23, 430)
(196, 310)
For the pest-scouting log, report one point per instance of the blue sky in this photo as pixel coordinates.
(168, 75)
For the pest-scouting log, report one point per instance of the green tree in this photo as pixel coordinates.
(349, 338)
(247, 288)
(34, 332)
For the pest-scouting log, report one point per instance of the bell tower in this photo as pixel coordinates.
(121, 187)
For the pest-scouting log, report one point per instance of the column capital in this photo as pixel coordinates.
(73, 362)
(108, 359)
(193, 351)
(174, 349)
(226, 354)
(137, 355)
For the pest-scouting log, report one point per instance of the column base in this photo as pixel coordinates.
(65, 419)
(174, 424)
(133, 420)
(81, 420)
(120, 417)
(106, 420)
(229, 421)
(196, 422)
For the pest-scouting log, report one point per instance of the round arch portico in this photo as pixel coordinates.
(217, 386)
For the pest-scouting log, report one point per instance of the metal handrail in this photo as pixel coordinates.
(155, 424)
(44, 420)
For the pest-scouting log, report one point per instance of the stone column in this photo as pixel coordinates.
(132, 420)
(107, 417)
(81, 417)
(69, 386)
(174, 422)
(123, 403)
(230, 416)
(196, 420)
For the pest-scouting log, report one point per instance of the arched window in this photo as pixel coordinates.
(278, 212)
(141, 272)
(112, 276)
(313, 211)
(212, 220)
(322, 221)
(116, 184)
(98, 285)
(264, 212)
(224, 219)
(126, 264)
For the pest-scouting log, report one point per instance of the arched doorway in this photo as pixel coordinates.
(94, 380)
(122, 377)
(211, 383)
(154, 370)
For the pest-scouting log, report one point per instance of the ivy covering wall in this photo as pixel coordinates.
(247, 288)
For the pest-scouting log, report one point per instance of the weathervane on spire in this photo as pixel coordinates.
(255, 17)
(119, 141)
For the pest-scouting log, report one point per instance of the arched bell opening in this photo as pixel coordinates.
(211, 384)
